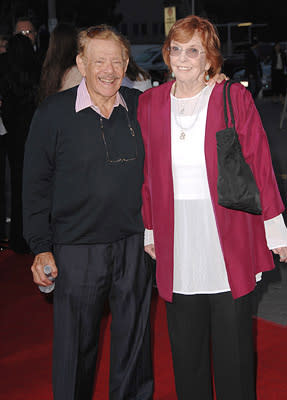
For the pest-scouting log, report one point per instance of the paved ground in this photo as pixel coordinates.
(271, 302)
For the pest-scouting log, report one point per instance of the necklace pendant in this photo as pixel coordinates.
(182, 136)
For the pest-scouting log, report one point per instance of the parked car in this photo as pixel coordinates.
(151, 60)
(240, 75)
(233, 64)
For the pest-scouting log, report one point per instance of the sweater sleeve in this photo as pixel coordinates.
(37, 181)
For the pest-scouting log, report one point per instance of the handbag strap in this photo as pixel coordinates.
(226, 88)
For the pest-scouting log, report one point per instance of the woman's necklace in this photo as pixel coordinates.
(180, 110)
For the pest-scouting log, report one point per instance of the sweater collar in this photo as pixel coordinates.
(84, 100)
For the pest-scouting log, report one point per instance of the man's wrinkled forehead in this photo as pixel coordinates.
(104, 47)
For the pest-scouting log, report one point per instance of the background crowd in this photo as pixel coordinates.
(32, 68)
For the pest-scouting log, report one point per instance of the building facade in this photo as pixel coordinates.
(142, 22)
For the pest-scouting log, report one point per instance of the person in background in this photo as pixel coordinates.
(3, 151)
(18, 87)
(83, 176)
(59, 71)
(254, 69)
(25, 26)
(43, 37)
(136, 77)
(3, 44)
(208, 257)
(278, 67)
(3, 157)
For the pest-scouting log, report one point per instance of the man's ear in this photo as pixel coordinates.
(81, 65)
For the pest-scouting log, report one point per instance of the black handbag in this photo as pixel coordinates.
(236, 185)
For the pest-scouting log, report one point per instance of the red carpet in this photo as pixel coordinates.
(25, 355)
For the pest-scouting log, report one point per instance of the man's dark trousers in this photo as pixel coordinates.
(88, 276)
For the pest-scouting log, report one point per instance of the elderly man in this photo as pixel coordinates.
(83, 175)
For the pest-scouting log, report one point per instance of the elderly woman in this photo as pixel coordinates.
(208, 257)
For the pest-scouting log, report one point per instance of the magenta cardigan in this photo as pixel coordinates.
(242, 235)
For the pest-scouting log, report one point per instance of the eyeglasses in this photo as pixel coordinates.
(191, 52)
(25, 32)
(121, 159)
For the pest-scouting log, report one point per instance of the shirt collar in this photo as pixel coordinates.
(84, 100)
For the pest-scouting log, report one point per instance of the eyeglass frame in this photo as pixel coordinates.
(120, 160)
(185, 51)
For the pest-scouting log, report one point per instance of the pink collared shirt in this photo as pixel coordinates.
(84, 100)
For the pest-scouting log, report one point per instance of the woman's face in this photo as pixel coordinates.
(186, 68)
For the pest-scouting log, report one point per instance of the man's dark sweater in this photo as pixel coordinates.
(71, 194)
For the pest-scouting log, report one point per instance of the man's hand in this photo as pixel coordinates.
(37, 268)
(282, 252)
(149, 249)
(218, 78)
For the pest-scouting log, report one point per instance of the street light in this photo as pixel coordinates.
(244, 24)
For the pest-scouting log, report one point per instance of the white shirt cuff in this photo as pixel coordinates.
(148, 237)
(275, 232)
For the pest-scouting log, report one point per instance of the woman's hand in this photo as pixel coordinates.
(149, 249)
(282, 252)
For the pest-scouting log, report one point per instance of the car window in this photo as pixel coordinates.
(158, 59)
(146, 55)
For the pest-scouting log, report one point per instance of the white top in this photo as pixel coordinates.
(141, 85)
(3, 130)
(71, 78)
(279, 63)
(198, 260)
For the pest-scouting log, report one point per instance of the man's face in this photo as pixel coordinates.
(27, 29)
(103, 66)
